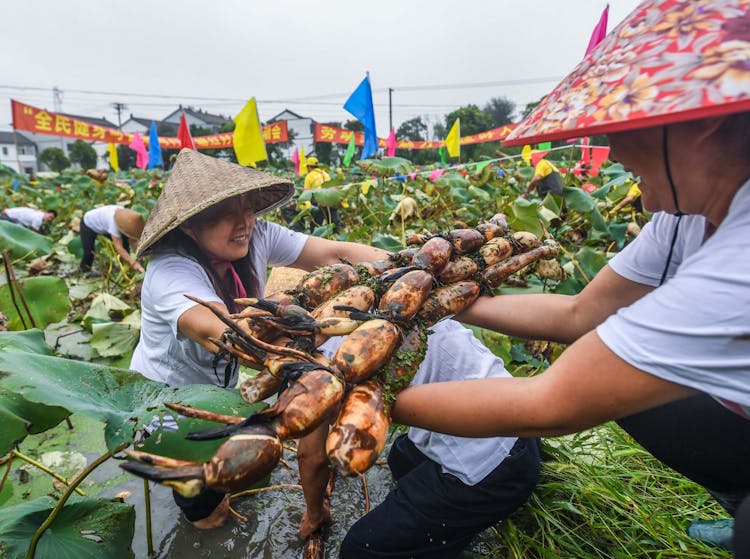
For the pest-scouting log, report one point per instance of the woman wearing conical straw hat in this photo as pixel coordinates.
(660, 338)
(204, 240)
(203, 221)
(122, 226)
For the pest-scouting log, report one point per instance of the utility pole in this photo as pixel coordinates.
(119, 107)
(390, 109)
(57, 97)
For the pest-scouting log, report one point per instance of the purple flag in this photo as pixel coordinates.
(599, 32)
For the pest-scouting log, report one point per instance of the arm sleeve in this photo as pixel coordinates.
(174, 277)
(695, 329)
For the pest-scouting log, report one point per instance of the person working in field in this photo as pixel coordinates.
(28, 217)
(314, 179)
(121, 225)
(633, 196)
(204, 240)
(660, 339)
(546, 180)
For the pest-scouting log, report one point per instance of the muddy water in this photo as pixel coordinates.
(273, 517)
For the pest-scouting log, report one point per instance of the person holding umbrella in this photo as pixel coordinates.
(660, 338)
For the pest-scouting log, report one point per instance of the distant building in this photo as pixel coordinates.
(23, 159)
(301, 127)
(197, 117)
(44, 141)
(143, 126)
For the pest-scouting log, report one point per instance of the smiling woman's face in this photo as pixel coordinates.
(223, 231)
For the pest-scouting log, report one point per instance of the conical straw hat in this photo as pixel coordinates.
(669, 61)
(197, 182)
(129, 222)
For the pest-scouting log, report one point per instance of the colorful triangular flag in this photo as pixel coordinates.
(114, 160)
(390, 144)
(599, 32)
(360, 106)
(137, 145)
(248, 135)
(453, 139)
(302, 162)
(351, 149)
(183, 134)
(154, 149)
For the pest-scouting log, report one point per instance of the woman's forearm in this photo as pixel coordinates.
(538, 317)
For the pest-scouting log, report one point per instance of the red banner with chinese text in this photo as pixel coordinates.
(336, 135)
(33, 119)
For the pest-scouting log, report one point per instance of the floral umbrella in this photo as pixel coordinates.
(668, 61)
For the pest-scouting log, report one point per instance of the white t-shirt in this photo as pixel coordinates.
(26, 216)
(102, 221)
(163, 353)
(694, 330)
(453, 353)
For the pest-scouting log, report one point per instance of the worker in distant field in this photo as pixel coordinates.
(28, 217)
(632, 197)
(546, 179)
(121, 225)
(315, 178)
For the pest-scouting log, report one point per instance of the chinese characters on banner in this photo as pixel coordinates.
(333, 134)
(33, 119)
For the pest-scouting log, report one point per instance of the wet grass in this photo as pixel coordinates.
(602, 496)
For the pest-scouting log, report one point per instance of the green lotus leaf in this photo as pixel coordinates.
(47, 298)
(22, 242)
(84, 529)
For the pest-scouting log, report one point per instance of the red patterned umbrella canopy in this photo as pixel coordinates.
(668, 61)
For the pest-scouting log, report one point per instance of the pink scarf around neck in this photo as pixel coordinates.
(238, 287)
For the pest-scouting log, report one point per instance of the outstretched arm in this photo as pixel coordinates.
(586, 386)
(321, 252)
(124, 254)
(560, 318)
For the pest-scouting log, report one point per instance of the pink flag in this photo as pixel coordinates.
(413, 175)
(295, 160)
(599, 32)
(436, 174)
(599, 155)
(390, 144)
(137, 145)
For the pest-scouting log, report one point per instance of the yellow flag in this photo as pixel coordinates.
(248, 135)
(302, 162)
(453, 139)
(114, 161)
(526, 154)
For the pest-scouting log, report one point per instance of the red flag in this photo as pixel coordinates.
(585, 153)
(599, 32)
(599, 155)
(183, 134)
(537, 156)
(390, 144)
(295, 160)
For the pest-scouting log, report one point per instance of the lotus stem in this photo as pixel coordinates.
(61, 503)
(44, 468)
(264, 489)
(147, 504)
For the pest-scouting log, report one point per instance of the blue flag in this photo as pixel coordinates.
(359, 104)
(154, 149)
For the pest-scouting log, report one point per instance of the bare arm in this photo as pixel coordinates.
(532, 185)
(586, 386)
(124, 254)
(198, 323)
(320, 252)
(561, 318)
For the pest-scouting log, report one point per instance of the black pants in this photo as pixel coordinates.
(702, 440)
(88, 240)
(435, 515)
(320, 216)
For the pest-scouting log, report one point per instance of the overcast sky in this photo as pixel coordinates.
(305, 56)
